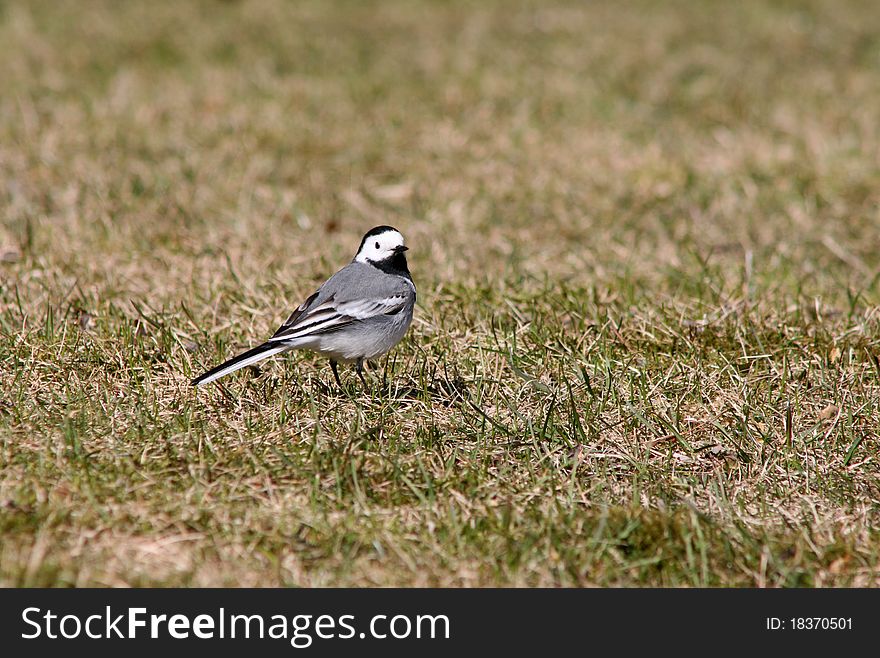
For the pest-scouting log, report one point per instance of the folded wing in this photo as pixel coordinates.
(332, 315)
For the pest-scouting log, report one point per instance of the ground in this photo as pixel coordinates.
(645, 240)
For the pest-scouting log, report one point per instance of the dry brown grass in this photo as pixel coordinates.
(645, 241)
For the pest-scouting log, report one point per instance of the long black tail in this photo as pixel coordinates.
(251, 356)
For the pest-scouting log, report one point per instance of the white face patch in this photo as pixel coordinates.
(379, 247)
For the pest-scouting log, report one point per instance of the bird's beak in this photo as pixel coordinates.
(400, 249)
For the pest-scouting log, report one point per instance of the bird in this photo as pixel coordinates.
(356, 315)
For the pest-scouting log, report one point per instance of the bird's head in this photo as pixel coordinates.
(383, 244)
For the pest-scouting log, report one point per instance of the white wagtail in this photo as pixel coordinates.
(358, 314)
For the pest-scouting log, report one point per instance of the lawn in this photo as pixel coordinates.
(646, 241)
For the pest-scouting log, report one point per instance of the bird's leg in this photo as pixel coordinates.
(359, 366)
(335, 372)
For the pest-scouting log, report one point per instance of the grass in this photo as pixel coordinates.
(645, 241)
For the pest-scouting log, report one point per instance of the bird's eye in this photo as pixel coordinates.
(377, 245)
